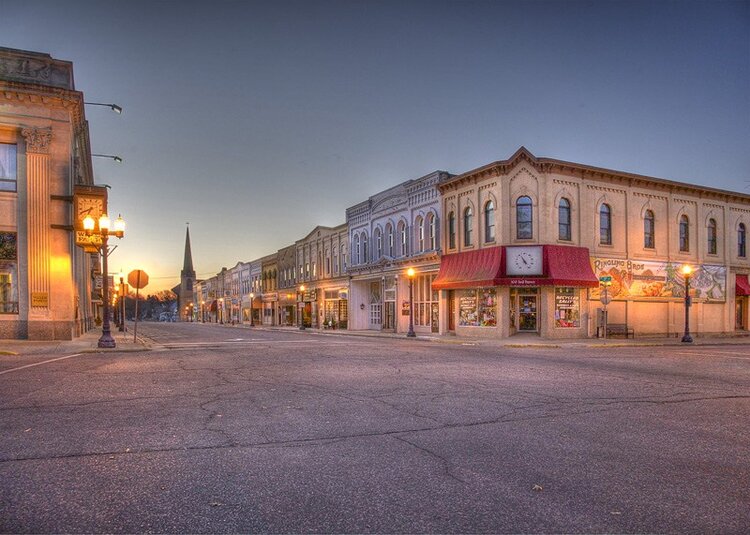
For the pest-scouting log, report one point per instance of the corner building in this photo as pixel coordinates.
(526, 241)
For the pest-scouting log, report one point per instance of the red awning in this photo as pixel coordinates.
(562, 266)
(742, 285)
(470, 269)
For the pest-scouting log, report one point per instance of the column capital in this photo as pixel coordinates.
(37, 139)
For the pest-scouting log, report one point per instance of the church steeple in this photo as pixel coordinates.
(187, 265)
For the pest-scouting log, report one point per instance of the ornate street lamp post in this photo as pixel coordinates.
(252, 298)
(410, 273)
(89, 225)
(687, 272)
(302, 307)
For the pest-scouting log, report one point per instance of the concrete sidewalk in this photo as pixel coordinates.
(86, 343)
(519, 340)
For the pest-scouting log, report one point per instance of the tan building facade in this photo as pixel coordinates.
(527, 240)
(322, 270)
(46, 282)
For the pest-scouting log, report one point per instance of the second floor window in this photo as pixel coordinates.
(452, 230)
(649, 239)
(7, 167)
(524, 218)
(420, 234)
(489, 221)
(712, 242)
(363, 260)
(356, 259)
(741, 250)
(468, 222)
(684, 234)
(389, 232)
(563, 217)
(432, 230)
(379, 242)
(402, 236)
(605, 225)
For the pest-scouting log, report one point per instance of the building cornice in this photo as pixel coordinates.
(585, 172)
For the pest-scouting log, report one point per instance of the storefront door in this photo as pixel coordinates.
(451, 311)
(527, 313)
(741, 320)
(389, 316)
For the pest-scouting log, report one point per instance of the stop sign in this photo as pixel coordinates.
(138, 278)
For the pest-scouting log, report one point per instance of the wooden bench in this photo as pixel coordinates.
(614, 329)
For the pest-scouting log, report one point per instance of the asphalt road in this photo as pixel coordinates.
(222, 429)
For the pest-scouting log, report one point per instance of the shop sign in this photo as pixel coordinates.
(405, 307)
(524, 282)
(39, 299)
(643, 280)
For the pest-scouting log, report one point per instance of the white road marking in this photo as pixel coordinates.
(40, 363)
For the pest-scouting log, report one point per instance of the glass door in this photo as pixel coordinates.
(527, 313)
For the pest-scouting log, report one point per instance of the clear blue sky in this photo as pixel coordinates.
(256, 121)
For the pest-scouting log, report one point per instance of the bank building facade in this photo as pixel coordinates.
(527, 242)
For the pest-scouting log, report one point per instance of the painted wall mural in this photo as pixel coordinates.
(635, 279)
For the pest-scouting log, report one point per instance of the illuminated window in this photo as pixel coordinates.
(8, 273)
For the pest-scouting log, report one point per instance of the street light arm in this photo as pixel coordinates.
(114, 157)
(114, 107)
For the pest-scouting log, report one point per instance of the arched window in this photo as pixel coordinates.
(379, 244)
(364, 248)
(420, 234)
(355, 260)
(563, 220)
(711, 236)
(605, 225)
(389, 234)
(343, 258)
(649, 239)
(468, 222)
(489, 221)
(684, 234)
(402, 238)
(524, 218)
(741, 249)
(452, 230)
(432, 228)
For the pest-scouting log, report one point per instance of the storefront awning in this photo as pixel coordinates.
(742, 285)
(569, 266)
(470, 269)
(561, 266)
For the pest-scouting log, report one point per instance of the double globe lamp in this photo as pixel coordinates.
(105, 231)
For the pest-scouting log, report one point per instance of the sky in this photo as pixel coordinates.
(257, 121)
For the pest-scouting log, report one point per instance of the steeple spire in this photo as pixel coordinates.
(187, 266)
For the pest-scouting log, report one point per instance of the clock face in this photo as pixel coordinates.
(523, 261)
(93, 206)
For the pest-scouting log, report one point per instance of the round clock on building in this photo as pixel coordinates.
(523, 260)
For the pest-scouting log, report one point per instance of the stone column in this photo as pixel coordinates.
(38, 227)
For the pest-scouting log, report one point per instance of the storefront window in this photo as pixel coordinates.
(424, 299)
(8, 273)
(477, 308)
(7, 167)
(567, 308)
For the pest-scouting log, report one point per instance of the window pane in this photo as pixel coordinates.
(524, 218)
(7, 167)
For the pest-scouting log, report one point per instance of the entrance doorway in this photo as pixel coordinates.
(451, 311)
(740, 322)
(389, 316)
(524, 311)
